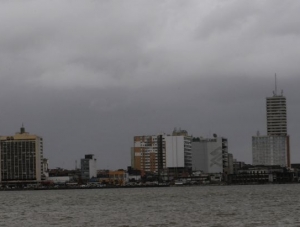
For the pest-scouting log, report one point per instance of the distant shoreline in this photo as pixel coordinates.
(136, 186)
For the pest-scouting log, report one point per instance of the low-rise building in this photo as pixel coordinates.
(263, 174)
(118, 177)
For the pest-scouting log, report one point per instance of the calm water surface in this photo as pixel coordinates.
(215, 206)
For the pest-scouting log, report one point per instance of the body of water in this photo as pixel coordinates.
(214, 206)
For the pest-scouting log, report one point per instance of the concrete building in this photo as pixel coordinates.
(269, 150)
(88, 167)
(210, 155)
(276, 115)
(178, 149)
(273, 149)
(21, 158)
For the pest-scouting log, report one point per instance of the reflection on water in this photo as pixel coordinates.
(255, 205)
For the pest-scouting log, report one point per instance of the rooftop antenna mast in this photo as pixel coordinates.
(275, 85)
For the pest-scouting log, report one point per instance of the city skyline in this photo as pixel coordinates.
(70, 164)
(89, 77)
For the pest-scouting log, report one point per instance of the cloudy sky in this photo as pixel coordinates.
(90, 75)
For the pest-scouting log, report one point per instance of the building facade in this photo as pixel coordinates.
(276, 115)
(158, 152)
(21, 158)
(178, 149)
(269, 150)
(88, 167)
(210, 155)
(149, 153)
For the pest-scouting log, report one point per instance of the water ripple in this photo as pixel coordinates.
(234, 206)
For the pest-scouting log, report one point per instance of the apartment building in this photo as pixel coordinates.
(149, 153)
(21, 158)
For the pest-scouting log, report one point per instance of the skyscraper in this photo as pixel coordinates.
(273, 149)
(276, 115)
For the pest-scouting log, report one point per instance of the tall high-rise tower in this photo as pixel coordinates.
(273, 149)
(276, 114)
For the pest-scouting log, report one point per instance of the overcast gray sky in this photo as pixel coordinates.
(87, 76)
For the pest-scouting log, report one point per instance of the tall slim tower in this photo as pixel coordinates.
(276, 114)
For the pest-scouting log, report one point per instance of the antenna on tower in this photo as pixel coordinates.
(275, 85)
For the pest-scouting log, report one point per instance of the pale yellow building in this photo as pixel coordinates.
(21, 158)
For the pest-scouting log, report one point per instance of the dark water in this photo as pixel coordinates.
(215, 206)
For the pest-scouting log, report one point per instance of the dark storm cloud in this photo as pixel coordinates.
(90, 75)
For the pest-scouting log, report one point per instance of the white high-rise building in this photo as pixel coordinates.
(276, 115)
(178, 150)
(273, 149)
(88, 167)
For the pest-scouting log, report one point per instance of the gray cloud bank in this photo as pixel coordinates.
(89, 75)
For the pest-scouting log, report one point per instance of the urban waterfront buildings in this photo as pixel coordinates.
(21, 158)
(88, 167)
(155, 153)
(178, 154)
(273, 148)
(210, 155)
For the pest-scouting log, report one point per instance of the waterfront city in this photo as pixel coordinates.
(165, 159)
